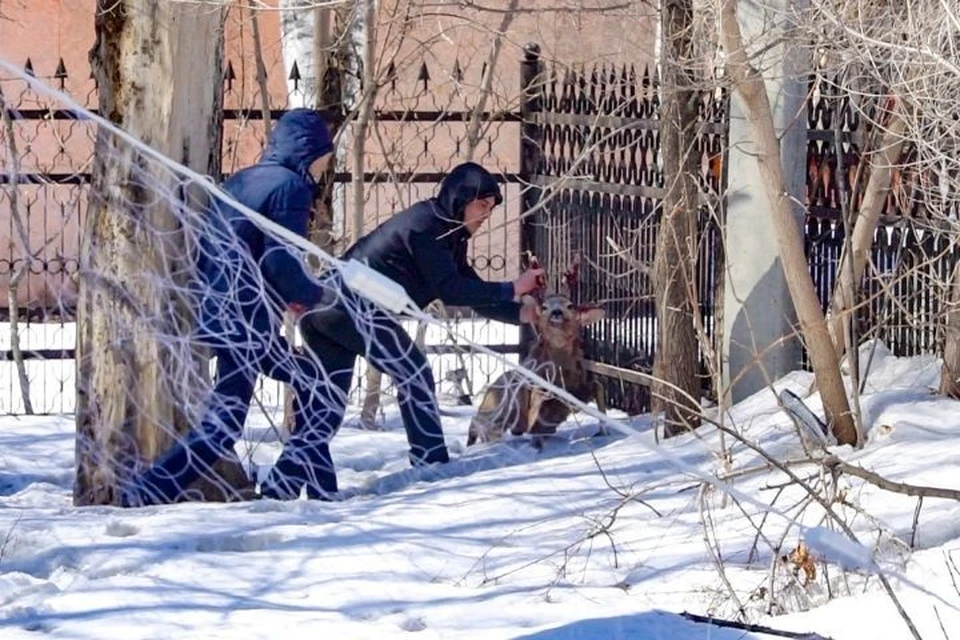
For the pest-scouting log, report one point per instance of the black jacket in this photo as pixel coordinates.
(424, 249)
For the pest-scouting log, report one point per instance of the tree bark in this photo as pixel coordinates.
(13, 307)
(138, 387)
(367, 97)
(674, 266)
(749, 87)
(950, 373)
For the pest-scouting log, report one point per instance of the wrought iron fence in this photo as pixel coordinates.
(901, 295)
(593, 154)
(580, 163)
(424, 137)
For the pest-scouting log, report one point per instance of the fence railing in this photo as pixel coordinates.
(903, 291)
(580, 161)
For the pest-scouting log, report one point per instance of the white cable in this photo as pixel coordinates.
(377, 287)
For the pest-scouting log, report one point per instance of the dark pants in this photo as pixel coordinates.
(309, 462)
(337, 337)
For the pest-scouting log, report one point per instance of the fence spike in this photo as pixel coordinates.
(457, 71)
(61, 73)
(295, 76)
(424, 75)
(28, 67)
(229, 76)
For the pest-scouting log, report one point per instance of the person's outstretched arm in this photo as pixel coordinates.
(459, 285)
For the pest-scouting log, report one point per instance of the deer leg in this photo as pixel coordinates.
(600, 396)
(496, 412)
(529, 411)
(552, 414)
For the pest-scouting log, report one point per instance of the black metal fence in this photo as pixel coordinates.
(594, 158)
(902, 293)
(580, 163)
(423, 138)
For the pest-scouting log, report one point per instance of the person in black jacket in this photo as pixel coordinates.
(424, 249)
(246, 277)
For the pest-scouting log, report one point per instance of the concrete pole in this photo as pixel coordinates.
(759, 321)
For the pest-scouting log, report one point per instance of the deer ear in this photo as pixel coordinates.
(589, 315)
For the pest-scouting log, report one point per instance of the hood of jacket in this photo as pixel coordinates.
(466, 183)
(298, 138)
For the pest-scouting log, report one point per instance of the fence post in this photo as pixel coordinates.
(531, 140)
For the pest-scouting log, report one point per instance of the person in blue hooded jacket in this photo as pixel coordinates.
(246, 277)
(424, 249)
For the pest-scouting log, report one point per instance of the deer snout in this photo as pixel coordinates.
(556, 316)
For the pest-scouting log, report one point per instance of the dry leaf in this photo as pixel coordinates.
(802, 559)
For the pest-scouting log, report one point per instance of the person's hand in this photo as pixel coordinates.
(296, 310)
(529, 281)
(528, 313)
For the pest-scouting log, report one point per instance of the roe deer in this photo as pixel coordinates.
(511, 402)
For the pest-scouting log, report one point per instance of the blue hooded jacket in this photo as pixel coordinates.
(246, 274)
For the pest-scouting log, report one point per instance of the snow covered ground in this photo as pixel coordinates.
(595, 537)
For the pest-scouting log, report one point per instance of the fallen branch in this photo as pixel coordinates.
(753, 628)
(837, 466)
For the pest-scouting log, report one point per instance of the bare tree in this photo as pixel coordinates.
(133, 389)
(749, 86)
(24, 267)
(312, 45)
(896, 63)
(674, 265)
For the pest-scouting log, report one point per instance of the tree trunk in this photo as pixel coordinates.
(950, 375)
(309, 40)
(13, 307)
(749, 87)
(138, 387)
(674, 265)
(366, 97)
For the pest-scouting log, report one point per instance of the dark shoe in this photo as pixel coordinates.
(316, 493)
(278, 490)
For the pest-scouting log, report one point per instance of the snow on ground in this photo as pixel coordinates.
(595, 537)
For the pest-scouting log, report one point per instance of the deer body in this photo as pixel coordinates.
(514, 403)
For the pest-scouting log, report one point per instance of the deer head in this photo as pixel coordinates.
(558, 319)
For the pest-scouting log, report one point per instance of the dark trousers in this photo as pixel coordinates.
(337, 337)
(193, 456)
